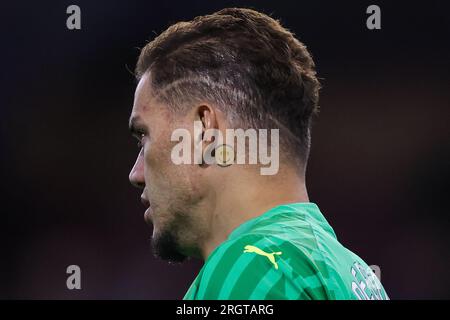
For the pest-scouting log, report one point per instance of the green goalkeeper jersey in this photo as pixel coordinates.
(289, 252)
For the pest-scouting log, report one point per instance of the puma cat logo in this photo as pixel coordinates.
(270, 256)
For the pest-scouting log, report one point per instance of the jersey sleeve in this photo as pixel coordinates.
(259, 267)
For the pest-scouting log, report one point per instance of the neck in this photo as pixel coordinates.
(238, 200)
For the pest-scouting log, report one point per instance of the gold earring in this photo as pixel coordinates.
(224, 155)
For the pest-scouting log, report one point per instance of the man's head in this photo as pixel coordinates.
(236, 68)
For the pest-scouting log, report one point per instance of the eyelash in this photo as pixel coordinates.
(140, 136)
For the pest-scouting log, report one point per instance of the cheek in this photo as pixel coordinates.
(152, 156)
(164, 178)
(158, 169)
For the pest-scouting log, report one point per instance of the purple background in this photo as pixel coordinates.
(379, 167)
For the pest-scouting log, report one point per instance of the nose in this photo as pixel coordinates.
(137, 173)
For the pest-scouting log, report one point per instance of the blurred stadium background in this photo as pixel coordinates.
(379, 167)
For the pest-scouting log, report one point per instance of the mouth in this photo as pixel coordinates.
(148, 212)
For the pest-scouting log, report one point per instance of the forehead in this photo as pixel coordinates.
(147, 108)
(142, 95)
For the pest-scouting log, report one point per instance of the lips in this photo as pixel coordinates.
(145, 201)
(148, 212)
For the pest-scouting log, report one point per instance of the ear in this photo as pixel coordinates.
(207, 115)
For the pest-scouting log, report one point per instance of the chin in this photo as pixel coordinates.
(165, 246)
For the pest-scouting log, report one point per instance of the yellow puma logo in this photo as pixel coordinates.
(270, 256)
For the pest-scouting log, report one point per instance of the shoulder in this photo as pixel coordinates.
(255, 266)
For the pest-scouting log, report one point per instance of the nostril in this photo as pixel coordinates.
(136, 180)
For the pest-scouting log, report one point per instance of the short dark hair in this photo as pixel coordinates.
(244, 62)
